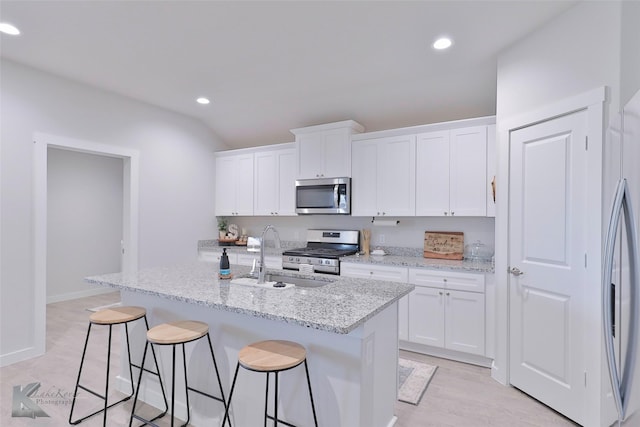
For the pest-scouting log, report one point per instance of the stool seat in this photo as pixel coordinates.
(271, 355)
(115, 315)
(177, 332)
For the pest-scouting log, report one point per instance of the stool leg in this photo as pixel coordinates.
(313, 408)
(233, 384)
(275, 403)
(173, 382)
(126, 331)
(186, 384)
(155, 360)
(75, 392)
(215, 365)
(135, 399)
(106, 385)
(266, 401)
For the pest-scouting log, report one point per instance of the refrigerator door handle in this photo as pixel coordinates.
(621, 381)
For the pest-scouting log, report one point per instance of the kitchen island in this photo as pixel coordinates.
(349, 328)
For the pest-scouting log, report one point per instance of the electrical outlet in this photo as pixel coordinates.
(381, 239)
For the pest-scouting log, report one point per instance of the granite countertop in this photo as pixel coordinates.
(338, 307)
(396, 256)
(421, 262)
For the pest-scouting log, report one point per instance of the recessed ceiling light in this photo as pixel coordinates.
(202, 100)
(442, 43)
(8, 29)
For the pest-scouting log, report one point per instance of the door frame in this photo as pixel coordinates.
(593, 102)
(130, 209)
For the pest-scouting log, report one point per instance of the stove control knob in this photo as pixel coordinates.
(297, 259)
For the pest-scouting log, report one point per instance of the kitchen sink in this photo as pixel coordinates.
(281, 281)
(298, 281)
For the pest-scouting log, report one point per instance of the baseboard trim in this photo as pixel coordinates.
(458, 356)
(79, 294)
(19, 356)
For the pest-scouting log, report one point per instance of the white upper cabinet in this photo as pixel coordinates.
(324, 151)
(451, 177)
(384, 176)
(274, 182)
(234, 185)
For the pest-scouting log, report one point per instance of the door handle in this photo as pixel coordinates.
(515, 271)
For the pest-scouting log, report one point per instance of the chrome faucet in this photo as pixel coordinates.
(262, 270)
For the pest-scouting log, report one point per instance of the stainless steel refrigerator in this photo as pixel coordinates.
(621, 272)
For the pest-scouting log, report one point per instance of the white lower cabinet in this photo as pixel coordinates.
(242, 258)
(442, 315)
(390, 274)
(213, 255)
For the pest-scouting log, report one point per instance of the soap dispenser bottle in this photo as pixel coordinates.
(225, 270)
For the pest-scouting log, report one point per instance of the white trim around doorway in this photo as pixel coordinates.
(131, 162)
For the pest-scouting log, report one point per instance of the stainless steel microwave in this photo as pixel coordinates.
(324, 196)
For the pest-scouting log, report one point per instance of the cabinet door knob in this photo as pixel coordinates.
(446, 213)
(440, 292)
(453, 213)
(444, 280)
(448, 294)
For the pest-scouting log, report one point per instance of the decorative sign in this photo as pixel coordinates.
(233, 231)
(444, 244)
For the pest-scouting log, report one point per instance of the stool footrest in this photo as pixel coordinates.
(149, 422)
(280, 421)
(91, 391)
(76, 422)
(219, 399)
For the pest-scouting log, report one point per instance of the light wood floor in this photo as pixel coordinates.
(459, 394)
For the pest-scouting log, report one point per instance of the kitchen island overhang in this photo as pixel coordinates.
(349, 328)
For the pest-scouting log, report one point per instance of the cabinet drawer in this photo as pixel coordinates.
(214, 256)
(376, 272)
(271, 261)
(470, 282)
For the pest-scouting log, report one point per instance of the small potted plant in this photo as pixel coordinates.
(222, 227)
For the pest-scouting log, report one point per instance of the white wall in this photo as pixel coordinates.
(84, 221)
(176, 179)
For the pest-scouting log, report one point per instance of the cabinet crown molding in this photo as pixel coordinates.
(349, 124)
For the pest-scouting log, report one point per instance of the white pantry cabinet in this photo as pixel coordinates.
(274, 182)
(451, 172)
(234, 185)
(447, 310)
(384, 176)
(390, 274)
(324, 151)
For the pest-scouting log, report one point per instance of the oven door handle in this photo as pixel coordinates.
(335, 195)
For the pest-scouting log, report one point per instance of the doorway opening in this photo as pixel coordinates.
(129, 245)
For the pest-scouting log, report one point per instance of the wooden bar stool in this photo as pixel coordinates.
(110, 317)
(172, 334)
(273, 356)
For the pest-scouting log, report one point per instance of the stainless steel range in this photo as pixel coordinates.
(323, 251)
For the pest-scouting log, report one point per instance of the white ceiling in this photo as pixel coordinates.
(273, 66)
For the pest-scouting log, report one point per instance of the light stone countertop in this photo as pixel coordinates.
(421, 262)
(338, 307)
(397, 257)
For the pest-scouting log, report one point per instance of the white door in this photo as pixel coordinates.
(547, 256)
